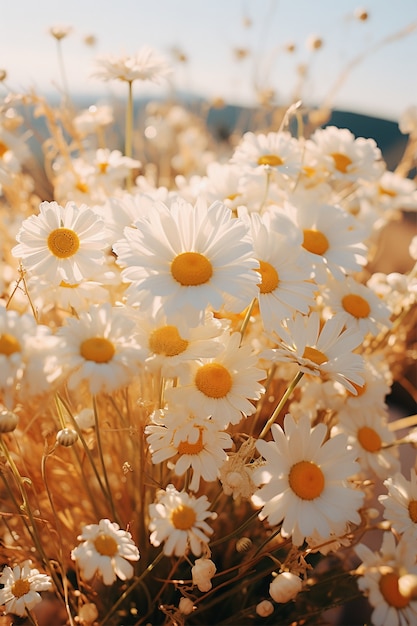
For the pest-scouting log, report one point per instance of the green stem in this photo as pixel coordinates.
(129, 590)
(103, 465)
(281, 404)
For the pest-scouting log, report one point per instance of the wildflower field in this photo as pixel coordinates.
(196, 352)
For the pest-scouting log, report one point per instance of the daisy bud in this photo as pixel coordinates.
(66, 437)
(87, 614)
(3, 75)
(361, 14)
(265, 608)
(202, 573)
(285, 587)
(186, 606)
(243, 544)
(8, 421)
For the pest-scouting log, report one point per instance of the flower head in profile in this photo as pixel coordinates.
(62, 243)
(106, 550)
(400, 504)
(380, 577)
(325, 351)
(186, 258)
(146, 64)
(21, 586)
(305, 480)
(178, 521)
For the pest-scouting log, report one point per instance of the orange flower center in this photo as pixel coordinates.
(412, 510)
(356, 305)
(83, 187)
(9, 344)
(387, 192)
(3, 149)
(341, 161)
(269, 275)
(360, 390)
(106, 545)
(273, 160)
(388, 586)
(186, 447)
(167, 341)
(21, 587)
(183, 517)
(369, 439)
(214, 380)
(98, 349)
(63, 242)
(306, 480)
(312, 354)
(191, 269)
(315, 241)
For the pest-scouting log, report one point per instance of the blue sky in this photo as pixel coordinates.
(384, 83)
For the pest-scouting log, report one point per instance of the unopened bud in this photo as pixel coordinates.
(8, 421)
(66, 437)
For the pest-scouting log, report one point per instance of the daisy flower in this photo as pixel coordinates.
(222, 387)
(400, 505)
(100, 348)
(278, 152)
(189, 442)
(21, 586)
(344, 156)
(326, 352)
(178, 521)
(106, 550)
(146, 64)
(357, 305)
(380, 579)
(369, 436)
(305, 480)
(172, 343)
(28, 363)
(284, 271)
(62, 244)
(186, 258)
(331, 238)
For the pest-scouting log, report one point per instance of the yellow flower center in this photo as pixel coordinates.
(341, 161)
(412, 510)
(183, 517)
(306, 480)
(369, 439)
(186, 447)
(315, 241)
(167, 341)
(8, 344)
(98, 349)
(309, 171)
(388, 586)
(312, 354)
(387, 192)
(83, 187)
(191, 269)
(3, 149)
(269, 275)
(273, 160)
(106, 545)
(68, 285)
(21, 587)
(356, 305)
(63, 242)
(214, 380)
(233, 196)
(102, 167)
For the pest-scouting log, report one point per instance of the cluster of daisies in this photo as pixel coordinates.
(199, 358)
